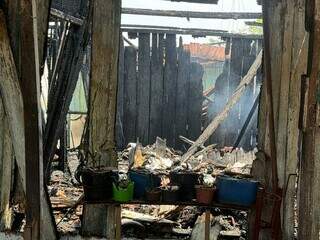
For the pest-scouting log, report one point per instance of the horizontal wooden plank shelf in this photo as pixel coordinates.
(180, 203)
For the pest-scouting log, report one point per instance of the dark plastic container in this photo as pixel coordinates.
(186, 182)
(236, 191)
(142, 182)
(153, 195)
(170, 194)
(97, 184)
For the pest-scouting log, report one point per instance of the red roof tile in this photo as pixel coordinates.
(206, 51)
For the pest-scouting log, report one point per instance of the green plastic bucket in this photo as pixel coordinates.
(123, 194)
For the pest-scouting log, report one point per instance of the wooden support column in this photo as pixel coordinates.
(38, 212)
(99, 220)
(6, 176)
(298, 67)
(309, 194)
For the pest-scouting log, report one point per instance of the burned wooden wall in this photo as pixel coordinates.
(159, 92)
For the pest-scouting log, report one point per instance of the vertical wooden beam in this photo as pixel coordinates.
(298, 67)
(207, 225)
(104, 74)
(30, 85)
(195, 101)
(120, 140)
(143, 88)
(6, 162)
(130, 94)
(12, 98)
(170, 88)
(99, 220)
(309, 195)
(156, 92)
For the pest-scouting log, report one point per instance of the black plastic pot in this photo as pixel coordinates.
(153, 195)
(97, 184)
(186, 182)
(170, 194)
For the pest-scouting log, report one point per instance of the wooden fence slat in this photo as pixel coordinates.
(170, 89)
(195, 101)
(182, 95)
(130, 94)
(120, 141)
(143, 88)
(156, 92)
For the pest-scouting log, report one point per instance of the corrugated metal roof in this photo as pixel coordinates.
(206, 51)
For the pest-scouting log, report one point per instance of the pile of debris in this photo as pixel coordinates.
(162, 159)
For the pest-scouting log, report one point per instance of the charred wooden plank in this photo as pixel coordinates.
(183, 82)
(156, 92)
(120, 141)
(170, 88)
(192, 14)
(130, 94)
(143, 88)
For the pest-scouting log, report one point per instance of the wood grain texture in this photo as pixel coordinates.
(102, 107)
(130, 94)
(170, 86)
(120, 140)
(156, 92)
(183, 81)
(12, 98)
(143, 88)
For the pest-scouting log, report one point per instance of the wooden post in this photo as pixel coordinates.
(309, 196)
(99, 220)
(6, 177)
(37, 205)
(207, 225)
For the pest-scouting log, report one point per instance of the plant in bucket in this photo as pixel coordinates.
(123, 188)
(206, 189)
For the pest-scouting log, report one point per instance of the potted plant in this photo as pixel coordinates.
(205, 190)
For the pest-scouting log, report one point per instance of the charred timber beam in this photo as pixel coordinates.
(189, 14)
(67, 17)
(186, 31)
(68, 75)
(196, 1)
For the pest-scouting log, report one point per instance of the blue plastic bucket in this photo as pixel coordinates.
(236, 191)
(142, 182)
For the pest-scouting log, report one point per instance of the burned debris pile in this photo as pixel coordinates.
(161, 184)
